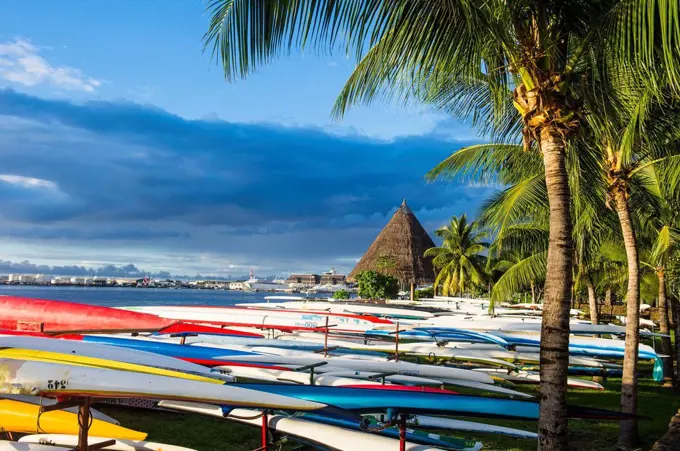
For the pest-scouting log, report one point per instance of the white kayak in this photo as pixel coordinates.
(299, 358)
(332, 436)
(100, 351)
(341, 307)
(369, 375)
(531, 377)
(52, 380)
(6, 445)
(424, 421)
(71, 441)
(265, 318)
(282, 376)
(429, 350)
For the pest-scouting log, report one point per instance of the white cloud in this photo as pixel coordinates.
(20, 62)
(27, 182)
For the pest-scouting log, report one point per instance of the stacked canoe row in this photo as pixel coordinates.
(342, 377)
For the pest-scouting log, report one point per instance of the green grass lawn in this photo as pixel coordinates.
(204, 433)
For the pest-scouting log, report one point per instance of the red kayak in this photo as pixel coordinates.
(188, 328)
(54, 317)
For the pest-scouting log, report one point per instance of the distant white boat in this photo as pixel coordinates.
(255, 284)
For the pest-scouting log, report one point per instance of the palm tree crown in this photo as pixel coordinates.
(459, 259)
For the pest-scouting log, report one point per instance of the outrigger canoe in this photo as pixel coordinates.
(40, 315)
(25, 418)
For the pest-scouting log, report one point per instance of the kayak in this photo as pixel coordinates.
(75, 347)
(39, 315)
(40, 401)
(206, 356)
(341, 307)
(71, 441)
(422, 421)
(367, 375)
(283, 320)
(421, 437)
(56, 380)
(76, 360)
(357, 364)
(25, 418)
(327, 436)
(189, 328)
(530, 377)
(6, 445)
(431, 351)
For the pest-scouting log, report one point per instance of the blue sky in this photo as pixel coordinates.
(122, 143)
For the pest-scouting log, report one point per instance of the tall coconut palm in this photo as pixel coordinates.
(406, 48)
(673, 272)
(639, 136)
(663, 233)
(459, 259)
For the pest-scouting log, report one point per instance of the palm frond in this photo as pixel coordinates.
(520, 276)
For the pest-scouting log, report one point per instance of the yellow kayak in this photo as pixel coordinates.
(25, 418)
(77, 360)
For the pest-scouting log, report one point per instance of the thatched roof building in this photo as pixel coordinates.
(399, 250)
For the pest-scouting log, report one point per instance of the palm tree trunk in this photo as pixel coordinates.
(608, 297)
(675, 310)
(592, 303)
(670, 440)
(554, 361)
(664, 328)
(533, 292)
(628, 432)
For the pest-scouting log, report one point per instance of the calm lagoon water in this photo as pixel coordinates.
(116, 296)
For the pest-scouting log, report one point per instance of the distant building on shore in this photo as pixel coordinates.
(306, 281)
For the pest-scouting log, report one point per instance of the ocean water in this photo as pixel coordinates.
(118, 296)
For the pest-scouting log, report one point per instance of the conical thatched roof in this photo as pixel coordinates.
(399, 250)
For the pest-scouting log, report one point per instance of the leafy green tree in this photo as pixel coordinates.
(459, 259)
(341, 294)
(476, 51)
(375, 285)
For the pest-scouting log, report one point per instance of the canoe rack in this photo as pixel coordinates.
(84, 421)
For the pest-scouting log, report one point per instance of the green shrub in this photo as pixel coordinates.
(424, 293)
(341, 294)
(374, 285)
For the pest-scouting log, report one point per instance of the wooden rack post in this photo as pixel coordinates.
(84, 415)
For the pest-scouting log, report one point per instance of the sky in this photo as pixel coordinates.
(121, 143)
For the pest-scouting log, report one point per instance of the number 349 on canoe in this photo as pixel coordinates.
(57, 385)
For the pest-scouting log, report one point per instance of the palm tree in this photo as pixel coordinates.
(410, 49)
(663, 234)
(459, 259)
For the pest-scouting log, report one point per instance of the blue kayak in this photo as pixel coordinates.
(197, 354)
(577, 349)
(396, 402)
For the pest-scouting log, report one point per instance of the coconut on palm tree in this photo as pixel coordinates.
(459, 259)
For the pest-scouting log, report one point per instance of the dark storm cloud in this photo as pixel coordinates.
(121, 171)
